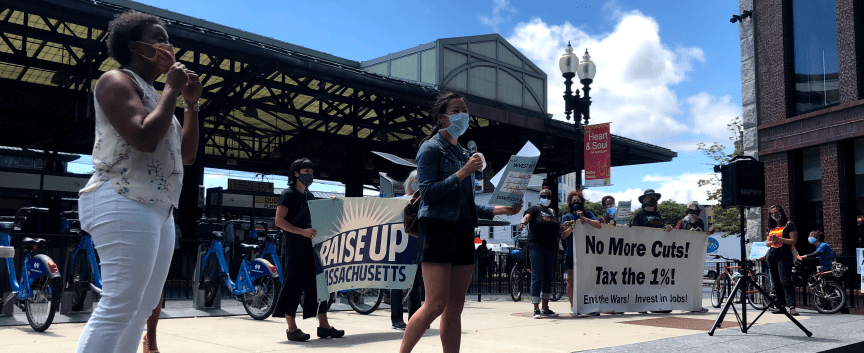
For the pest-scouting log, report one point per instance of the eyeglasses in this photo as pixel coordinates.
(545, 197)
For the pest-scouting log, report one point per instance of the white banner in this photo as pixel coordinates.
(637, 269)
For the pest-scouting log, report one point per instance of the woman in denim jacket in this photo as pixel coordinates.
(448, 216)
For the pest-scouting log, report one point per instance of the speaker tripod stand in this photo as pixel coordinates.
(745, 282)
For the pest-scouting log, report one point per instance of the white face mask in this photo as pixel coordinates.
(545, 202)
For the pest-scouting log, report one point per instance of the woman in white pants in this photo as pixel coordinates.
(138, 156)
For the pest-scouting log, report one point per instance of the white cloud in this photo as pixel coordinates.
(711, 115)
(501, 11)
(628, 195)
(681, 188)
(635, 72)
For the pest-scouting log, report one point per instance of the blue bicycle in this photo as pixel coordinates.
(255, 286)
(267, 240)
(38, 290)
(83, 273)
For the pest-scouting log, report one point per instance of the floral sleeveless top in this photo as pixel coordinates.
(144, 177)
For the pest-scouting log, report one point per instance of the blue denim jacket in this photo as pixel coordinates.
(439, 187)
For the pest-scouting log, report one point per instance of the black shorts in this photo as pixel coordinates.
(568, 262)
(442, 242)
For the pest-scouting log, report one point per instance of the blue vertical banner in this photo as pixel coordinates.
(361, 243)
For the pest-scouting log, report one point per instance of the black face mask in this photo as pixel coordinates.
(575, 206)
(651, 203)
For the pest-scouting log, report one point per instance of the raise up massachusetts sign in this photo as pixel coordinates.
(637, 269)
(361, 243)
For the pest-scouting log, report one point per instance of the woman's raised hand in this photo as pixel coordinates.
(176, 79)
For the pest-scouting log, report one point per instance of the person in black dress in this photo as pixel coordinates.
(295, 221)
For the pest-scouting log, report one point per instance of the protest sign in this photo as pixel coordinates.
(623, 216)
(759, 249)
(511, 182)
(637, 269)
(361, 243)
(598, 155)
(859, 257)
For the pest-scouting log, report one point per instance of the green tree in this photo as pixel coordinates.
(672, 212)
(724, 220)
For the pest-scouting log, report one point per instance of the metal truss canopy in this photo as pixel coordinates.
(264, 103)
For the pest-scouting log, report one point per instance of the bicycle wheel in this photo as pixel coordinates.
(260, 303)
(516, 283)
(828, 298)
(210, 277)
(365, 300)
(717, 292)
(41, 306)
(756, 299)
(78, 282)
(558, 288)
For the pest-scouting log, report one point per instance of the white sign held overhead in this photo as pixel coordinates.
(512, 181)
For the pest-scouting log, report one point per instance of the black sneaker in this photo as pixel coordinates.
(537, 314)
(330, 332)
(548, 313)
(399, 326)
(297, 335)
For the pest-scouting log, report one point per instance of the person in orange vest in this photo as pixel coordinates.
(782, 236)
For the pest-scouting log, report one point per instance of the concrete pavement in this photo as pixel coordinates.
(488, 326)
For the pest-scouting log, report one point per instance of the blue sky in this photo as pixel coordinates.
(668, 71)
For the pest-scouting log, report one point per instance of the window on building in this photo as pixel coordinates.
(514, 231)
(808, 213)
(858, 240)
(491, 232)
(816, 77)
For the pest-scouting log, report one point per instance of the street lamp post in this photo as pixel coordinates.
(579, 106)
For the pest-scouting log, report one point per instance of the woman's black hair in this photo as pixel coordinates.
(124, 28)
(607, 197)
(440, 107)
(783, 218)
(299, 164)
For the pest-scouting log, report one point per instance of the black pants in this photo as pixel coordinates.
(780, 268)
(397, 295)
(299, 278)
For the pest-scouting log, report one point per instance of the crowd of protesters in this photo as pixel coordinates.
(124, 201)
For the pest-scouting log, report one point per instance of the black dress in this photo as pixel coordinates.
(299, 260)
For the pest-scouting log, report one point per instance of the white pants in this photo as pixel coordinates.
(135, 242)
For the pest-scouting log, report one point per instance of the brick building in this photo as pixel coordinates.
(802, 73)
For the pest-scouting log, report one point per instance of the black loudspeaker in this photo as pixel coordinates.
(743, 183)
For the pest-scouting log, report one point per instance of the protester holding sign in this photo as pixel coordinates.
(649, 215)
(823, 251)
(576, 202)
(692, 221)
(448, 216)
(781, 238)
(542, 250)
(608, 203)
(294, 218)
